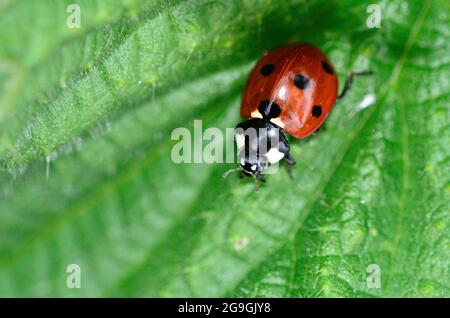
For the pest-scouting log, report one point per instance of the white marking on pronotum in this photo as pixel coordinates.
(242, 162)
(253, 167)
(273, 155)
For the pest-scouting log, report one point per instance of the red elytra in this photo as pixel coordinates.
(300, 80)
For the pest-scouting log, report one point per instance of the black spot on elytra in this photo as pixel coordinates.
(316, 111)
(267, 69)
(327, 68)
(269, 110)
(301, 81)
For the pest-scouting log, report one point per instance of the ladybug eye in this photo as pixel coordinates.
(327, 67)
(301, 81)
(316, 111)
(267, 69)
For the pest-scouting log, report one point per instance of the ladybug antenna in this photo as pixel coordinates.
(230, 171)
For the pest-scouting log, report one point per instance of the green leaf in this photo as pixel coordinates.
(86, 117)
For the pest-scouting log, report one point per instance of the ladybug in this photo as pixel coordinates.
(292, 90)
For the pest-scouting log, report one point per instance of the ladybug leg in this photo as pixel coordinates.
(258, 179)
(290, 162)
(289, 171)
(289, 159)
(349, 82)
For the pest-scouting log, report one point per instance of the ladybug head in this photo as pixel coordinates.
(260, 143)
(251, 164)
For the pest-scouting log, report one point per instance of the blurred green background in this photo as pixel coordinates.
(86, 177)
